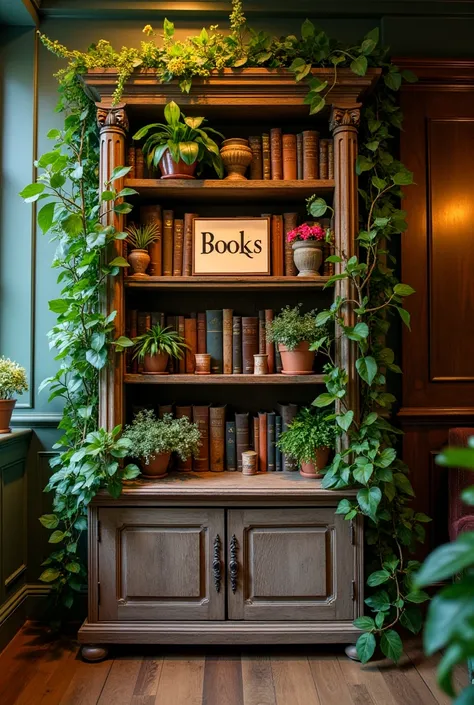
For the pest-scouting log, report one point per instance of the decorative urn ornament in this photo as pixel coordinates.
(139, 237)
(236, 155)
(307, 242)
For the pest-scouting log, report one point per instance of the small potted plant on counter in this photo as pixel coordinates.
(139, 237)
(178, 147)
(307, 242)
(153, 440)
(154, 348)
(12, 381)
(309, 439)
(294, 332)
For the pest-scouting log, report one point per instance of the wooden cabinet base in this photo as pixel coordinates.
(93, 653)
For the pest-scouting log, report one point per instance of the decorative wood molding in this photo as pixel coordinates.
(436, 411)
(36, 420)
(109, 115)
(439, 74)
(343, 117)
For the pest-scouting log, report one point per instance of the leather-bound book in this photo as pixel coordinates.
(236, 345)
(323, 159)
(256, 165)
(299, 155)
(188, 244)
(214, 339)
(330, 159)
(173, 365)
(230, 447)
(139, 164)
(289, 157)
(157, 318)
(276, 160)
(278, 466)
(182, 332)
(178, 247)
(227, 340)
(249, 343)
(152, 214)
(278, 256)
(165, 409)
(287, 413)
(269, 347)
(217, 437)
(271, 463)
(256, 435)
(201, 419)
(190, 336)
(278, 363)
(290, 221)
(262, 441)
(262, 338)
(133, 334)
(131, 162)
(185, 411)
(267, 169)
(310, 154)
(168, 217)
(242, 436)
(201, 332)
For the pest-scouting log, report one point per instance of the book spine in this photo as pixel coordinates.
(276, 154)
(165, 409)
(267, 170)
(187, 412)
(139, 164)
(290, 221)
(188, 244)
(227, 340)
(299, 155)
(190, 336)
(269, 347)
(262, 338)
(289, 157)
(178, 247)
(201, 332)
(172, 323)
(310, 154)
(330, 159)
(271, 464)
(262, 441)
(278, 466)
(237, 345)
(249, 343)
(152, 214)
(256, 435)
(256, 165)
(143, 324)
(201, 419)
(182, 332)
(278, 363)
(242, 437)
(323, 159)
(217, 437)
(131, 162)
(287, 413)
(133, 334)
(278, 257)
(230, 448)
(214, 339)
(168, 243)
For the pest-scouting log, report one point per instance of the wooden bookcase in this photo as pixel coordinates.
(205, 558)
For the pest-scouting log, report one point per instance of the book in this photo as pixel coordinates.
(157, 318)
(214, 339)
(217, 437)
(290, 221)
(152, 214)
(256, 165)
(173, 363)
(168, 217)
(249, 343)
(190, 336)
(242, 436)
(201, 419)
(278, 363)
(236, 345)
(230, 447)
(276, 154)
(139, 164)
(271, 418)
(131, 157)
(165, 409)
(201, 332)
(277, 245)
(133, 363)
(310, 154)
(178, 237)
(287, 413)
(330, 159)
(256, 435)
(143, 324)
(262, 338)
(278, 466)
(188, 244)
(267, 170)
(227, 340)
(299, 155)
(289, 157)
(184, 411)
(262, 441)
(323, 159)
(269, 347)
(181, 332)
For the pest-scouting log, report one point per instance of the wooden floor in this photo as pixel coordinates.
(36, 669)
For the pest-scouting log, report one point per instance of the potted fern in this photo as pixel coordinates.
(309, 439)
(139, 237)
(154, 348)
(294, 332)
(152, 441)
(12, 381)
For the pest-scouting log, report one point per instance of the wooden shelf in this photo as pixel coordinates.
(223, 379)
(221, 282)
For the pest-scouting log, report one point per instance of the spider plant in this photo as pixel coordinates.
(140, 236)
(158, 340)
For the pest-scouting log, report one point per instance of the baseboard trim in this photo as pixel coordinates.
(15, 611)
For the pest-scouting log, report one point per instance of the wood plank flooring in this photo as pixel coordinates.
(37, 669)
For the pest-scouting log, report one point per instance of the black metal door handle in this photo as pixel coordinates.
(216, 563)
(233, 565)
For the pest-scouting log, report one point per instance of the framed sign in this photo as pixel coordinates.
(226, 246)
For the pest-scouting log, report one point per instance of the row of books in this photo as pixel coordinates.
(277, 156)
(225, 437)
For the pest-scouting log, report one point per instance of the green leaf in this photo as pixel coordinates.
(467, 496)
(345, 420)
(365, 623)
(53, 134)
(454, 654)
(403, 483)
(423, 518)
(168, 28)
(50, 521)
(409, 76)
(56, 537)
(363, 164)
(378, 578)
(404, 315)
(363, 473)
(73, 224)
(80, 524)
(49, 575)
(58, 306)
(417, 596)
(119, 172)
(369, 500)
(412, 619)
(317, 207)
(97, 359)
(322, 317)
(378, 601)
(403, 178)
(31, 192)
(344, 507)
(379, 619)
(359, 332)
(379, 184)
(240, 62)
(108, 195)
(317, 104)
(393, 80)
(456, 457)
(122, 208)
(386, 457)
(98, 341)
(391, 645)
(324, 400)
(367, 368)
(367, 46)
(445, 561)
(130, 472)
(73, 567)
(403, 290)
(365, 646)
(359, 66)
(119, 262)
(307, 29)
(46, 217)
(124, 342)
(466, 697)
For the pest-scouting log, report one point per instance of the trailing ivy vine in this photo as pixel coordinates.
(82, 336)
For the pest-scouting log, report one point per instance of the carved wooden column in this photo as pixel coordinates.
(113, 125)
(344, 123)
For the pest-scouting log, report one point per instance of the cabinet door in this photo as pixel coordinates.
(157, 564)
(290, 564)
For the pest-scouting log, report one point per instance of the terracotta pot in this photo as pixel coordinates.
(308, 256)
(157, 467)
(155, 364)
(176, 170)
(6, 410)
(236, 155)
(139, 261)
(312, 470)
(298, 361)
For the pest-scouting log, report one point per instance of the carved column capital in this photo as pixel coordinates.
(344, 117)
(109, 115)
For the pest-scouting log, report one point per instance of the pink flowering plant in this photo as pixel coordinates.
(307, 232)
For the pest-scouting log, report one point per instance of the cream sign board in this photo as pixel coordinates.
(226, 246)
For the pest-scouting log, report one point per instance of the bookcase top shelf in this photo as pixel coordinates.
(247, 283)
(223, 379)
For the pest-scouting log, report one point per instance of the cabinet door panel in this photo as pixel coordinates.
(295, 564)
(156, 564)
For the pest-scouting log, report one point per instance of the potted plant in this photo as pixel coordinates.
(294, 332)
(12, 381)
(139, 237)
(307, 242)
(153, 440)
(309, 439)
(180, 146)
(154, 348)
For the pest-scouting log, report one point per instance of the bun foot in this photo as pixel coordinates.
(93, 653)
(351, 652)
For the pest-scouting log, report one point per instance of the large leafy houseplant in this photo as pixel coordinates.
(148, 436)
(12, 379)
